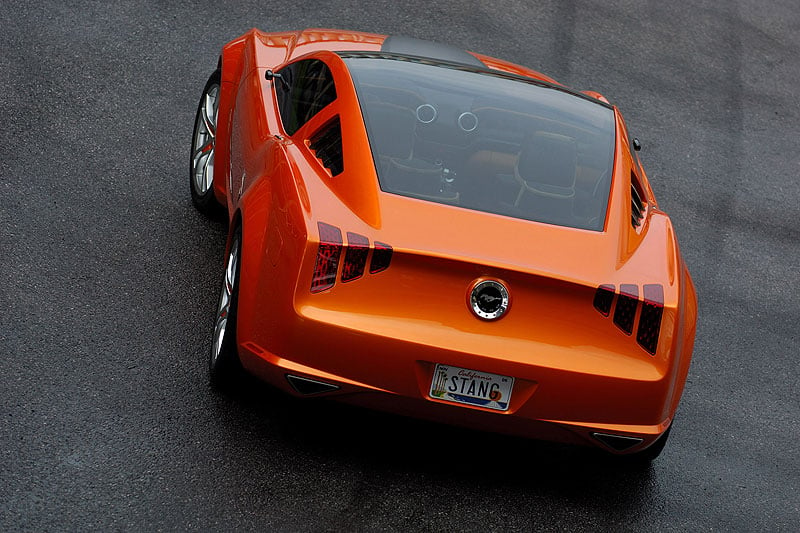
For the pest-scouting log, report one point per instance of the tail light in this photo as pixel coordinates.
(381, 258)
(328, 253)
(355, 258)
(627, 305)
(603, 299)
(650, 320)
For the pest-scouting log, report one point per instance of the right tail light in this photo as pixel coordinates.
(650, 320)
(627, 303)
(626, 307)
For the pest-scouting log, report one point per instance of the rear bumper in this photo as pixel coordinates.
(393, 374)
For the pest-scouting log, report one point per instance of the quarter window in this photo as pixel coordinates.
(308, 89)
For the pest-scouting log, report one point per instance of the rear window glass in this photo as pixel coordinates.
(492, 143)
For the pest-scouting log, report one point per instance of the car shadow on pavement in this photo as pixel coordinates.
(335, 432)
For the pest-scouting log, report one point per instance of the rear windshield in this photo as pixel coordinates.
(469, 138)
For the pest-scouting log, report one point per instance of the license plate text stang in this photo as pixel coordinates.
(471, 387)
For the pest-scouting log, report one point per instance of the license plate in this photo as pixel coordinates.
(470, 387)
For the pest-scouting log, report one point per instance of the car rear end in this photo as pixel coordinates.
(386, 319)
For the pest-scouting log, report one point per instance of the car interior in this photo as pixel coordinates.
(487, 154)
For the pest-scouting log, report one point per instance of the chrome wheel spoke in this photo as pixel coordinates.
(219, 336)
(230, 272)
(208, 124)
(206, 175)
(204, 137)
(203, 164)
(210, 111)
(209, 172)
(209, 145)
(222, 321)
(201, 173)
(225, 300)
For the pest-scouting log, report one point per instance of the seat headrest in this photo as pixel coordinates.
(392, 129)
(547, 164)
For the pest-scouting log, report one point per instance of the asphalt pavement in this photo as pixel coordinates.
(109, 279)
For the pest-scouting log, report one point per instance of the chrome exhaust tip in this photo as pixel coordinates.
(618, 443)
(309, 387)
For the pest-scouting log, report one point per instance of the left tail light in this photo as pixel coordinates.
(328, 253)
(357, 250)
(381, 258)
(355, 259)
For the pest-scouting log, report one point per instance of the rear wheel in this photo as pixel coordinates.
(204, 137)
(224, 362)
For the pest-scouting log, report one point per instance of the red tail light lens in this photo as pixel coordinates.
(381, 257)
(650, 320)
(355, 259)
(626, 307)
(603, 299)
(627, 302)
(330, 249)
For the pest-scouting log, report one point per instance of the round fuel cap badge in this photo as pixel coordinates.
(489, 299)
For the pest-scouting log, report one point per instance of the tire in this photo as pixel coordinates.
(201, 157)
(224, 362)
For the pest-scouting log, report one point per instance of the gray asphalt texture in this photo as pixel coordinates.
(109, 279)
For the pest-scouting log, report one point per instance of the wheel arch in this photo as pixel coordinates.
(229, 63)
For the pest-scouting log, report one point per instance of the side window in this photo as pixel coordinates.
(308, 89)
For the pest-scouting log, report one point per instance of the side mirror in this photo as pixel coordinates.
(636, 144)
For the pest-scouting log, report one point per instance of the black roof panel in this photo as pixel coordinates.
(397, 44)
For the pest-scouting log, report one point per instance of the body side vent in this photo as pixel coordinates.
(327, 146)
(637, 202)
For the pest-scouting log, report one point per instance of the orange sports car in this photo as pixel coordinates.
(441, 234)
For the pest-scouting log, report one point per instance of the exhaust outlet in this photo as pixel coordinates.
(618, 443)
(309, 387)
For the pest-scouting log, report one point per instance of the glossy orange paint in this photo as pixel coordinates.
(379, 337)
